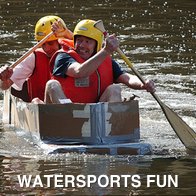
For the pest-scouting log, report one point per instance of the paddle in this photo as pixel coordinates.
(183, 131)
(32, 50)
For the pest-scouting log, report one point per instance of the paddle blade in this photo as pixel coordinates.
(184, 132)
(99, 25)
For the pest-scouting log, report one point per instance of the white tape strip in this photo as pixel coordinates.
(64, 101)
(82, 113)
(85, 113)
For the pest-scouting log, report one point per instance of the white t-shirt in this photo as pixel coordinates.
(23, 71)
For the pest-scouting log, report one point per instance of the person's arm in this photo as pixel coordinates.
(122, 77)
(18, 75)
(65, 65)
(85, 69)
(134, 82)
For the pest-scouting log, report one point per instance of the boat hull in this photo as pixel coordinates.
(101, 128)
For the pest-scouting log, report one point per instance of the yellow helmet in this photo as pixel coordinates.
(43, 27)
(86, 28)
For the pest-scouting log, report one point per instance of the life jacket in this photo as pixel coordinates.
(89, 89)
(66, 45)
(41, 74)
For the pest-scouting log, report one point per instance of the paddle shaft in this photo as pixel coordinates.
(123, 56)
(32, 50)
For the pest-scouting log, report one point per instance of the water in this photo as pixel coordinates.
(159, 37)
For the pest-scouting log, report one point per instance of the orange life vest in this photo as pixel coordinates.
(89, 89)
(41, 74)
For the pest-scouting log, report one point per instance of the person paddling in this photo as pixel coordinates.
(35, 68)
(87, 73)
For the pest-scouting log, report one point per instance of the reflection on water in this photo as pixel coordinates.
(159, 37)
(73, 164)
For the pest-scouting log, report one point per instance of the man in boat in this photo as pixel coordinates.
(35, 68)
(87, 73)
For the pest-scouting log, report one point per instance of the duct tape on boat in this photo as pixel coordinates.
(108, 125)
(64, 101)
(85, 113)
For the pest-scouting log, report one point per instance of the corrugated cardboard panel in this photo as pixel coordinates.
(61, 120)
(98, 123)
(24, 115)
(124, 119)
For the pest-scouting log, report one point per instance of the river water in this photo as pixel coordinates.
(159, 37)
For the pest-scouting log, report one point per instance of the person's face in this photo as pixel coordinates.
(85, 46)
(50, 47)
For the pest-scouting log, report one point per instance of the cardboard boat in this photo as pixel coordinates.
(101, 128)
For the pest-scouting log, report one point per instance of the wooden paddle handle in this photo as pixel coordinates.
(32, 50)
